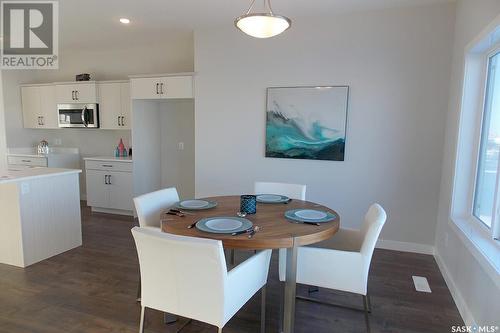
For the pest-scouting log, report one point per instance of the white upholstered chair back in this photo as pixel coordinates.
(372, 226)
(293, 191)
(182, 275)
(149, 206)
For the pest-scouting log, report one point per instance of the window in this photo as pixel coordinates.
(487, 171)
(475, 204)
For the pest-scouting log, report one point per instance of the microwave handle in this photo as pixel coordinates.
(84, 116)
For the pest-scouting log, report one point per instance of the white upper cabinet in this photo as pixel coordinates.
(145, 88)
(30, 100)
(48, 107)
(166, 87)
(114, 105)
(76, 93)
(125, 97)
(39, 106)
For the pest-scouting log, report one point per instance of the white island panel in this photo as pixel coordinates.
(40, 213)
(11, 241)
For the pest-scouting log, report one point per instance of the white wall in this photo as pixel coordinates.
(3, 140)
(147, 152)
(476, 292)
(173, 54)
(178, 166)
(396, 63)
(158, 128)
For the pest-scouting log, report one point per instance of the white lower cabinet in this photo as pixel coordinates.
(120, 196)
(109, 186)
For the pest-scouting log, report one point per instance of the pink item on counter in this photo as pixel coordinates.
(121, 147)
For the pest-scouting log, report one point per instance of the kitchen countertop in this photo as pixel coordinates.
(109, 159)
(32, 152)
(15, 174)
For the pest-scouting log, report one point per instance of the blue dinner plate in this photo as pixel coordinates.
(196, 204)
(223, 224)
(309, 215)
(272, 198)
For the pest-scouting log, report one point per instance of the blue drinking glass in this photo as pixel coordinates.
(248, 204)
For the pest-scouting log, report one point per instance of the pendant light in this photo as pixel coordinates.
(262, 25)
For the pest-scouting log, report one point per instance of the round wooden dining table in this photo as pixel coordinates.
(275, 232)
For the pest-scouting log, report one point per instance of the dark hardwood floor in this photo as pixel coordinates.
(93, 289)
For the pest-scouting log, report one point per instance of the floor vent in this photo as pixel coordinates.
(421, 284)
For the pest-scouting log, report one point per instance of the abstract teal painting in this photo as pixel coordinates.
(307, 122)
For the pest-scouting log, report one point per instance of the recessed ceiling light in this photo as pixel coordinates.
(124, 20)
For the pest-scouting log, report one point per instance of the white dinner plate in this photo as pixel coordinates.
(311, 214)
(195, 203)
(269, 197)
(224, 224)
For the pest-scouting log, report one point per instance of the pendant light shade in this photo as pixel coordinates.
(262, 25)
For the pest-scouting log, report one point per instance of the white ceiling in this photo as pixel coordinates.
(94, 23)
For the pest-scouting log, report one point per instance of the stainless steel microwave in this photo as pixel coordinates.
(78, 115)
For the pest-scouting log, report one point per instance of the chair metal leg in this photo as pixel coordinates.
(282, 308)
(183, 325)
(138, 299)
(367, 311)
(169, 318)
(141, 324)
(232, 257)
(313, 289)
(220, 330)
(263, 310)
(315, 300)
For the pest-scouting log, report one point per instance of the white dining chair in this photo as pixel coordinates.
(293, 191)
(187, 276)
(342, 262)
(149, 208)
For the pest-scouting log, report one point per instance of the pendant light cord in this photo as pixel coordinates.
(266, 2)
(250, 8)
(269, 5)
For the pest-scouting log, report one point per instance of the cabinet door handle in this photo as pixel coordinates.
(157, 86)
(38, 120)
(26, 161)
(42, 121)
(76, 95)
(106, 179)
(123, 120)
(118, 119)
(109, 180)
(73, 95)
(161, 88)
(107, 165)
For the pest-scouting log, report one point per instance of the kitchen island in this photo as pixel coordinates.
(39, 214)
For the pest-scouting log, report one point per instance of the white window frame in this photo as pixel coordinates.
(493, 231)
(481, 240)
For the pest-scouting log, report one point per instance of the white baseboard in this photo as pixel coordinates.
(112, 211)
(455, 293)
(405, 246)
